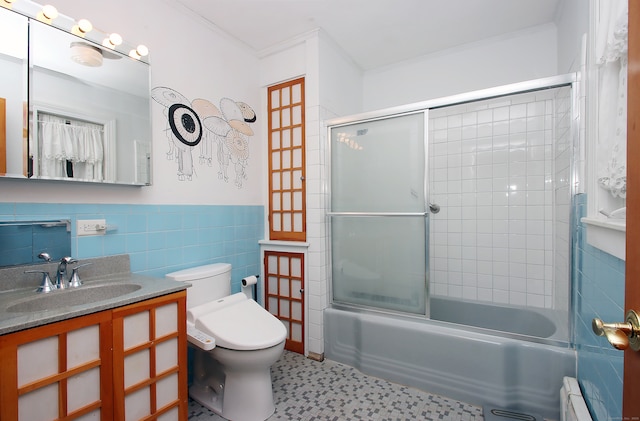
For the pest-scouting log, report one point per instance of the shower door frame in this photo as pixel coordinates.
(569, 79)
(424, 214)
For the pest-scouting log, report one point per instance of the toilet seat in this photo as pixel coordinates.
(238, 323)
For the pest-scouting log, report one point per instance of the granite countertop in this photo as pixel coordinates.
(103, 286)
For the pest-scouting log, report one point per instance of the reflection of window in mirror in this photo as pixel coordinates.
(610, 62)
(606, 130)
(74, 148)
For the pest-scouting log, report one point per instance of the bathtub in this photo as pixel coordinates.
(468, 363)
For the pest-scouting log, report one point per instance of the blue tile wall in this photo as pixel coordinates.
(161, 238)
(598, 292)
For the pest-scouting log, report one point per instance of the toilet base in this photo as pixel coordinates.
(235, 384)
(206, 397)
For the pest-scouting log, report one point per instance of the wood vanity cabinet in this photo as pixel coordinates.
(127, 363)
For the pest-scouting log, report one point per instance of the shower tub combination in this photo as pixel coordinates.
(468, 363)
(471, 303)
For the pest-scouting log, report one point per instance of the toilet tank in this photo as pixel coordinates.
(208, 282)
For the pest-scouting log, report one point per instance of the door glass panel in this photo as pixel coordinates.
(296, 267)
(275, 99)
(284, 287)
(284, 308)
(297, 136)
(380, 262)
(297, 114)
(296, 331)
(275, 120)
(296, 288)
(296, 310)
(273, 305)
(378, 166)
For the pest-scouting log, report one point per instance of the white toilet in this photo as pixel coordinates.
(234, 378)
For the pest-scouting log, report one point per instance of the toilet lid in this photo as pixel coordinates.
(243, 325)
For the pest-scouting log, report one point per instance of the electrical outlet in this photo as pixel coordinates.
(91, 227)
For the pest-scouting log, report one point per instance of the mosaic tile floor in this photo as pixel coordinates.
(306, 390)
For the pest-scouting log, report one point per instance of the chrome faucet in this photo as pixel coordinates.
(61, 275)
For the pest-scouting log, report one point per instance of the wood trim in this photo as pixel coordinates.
(631, 384)
(62, 375)
(9, 344)
(284, 173)
(8, 379)
(119, 353)
(106, 370)
(110, 363)
(279, 273)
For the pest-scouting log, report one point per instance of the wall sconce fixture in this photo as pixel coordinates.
(112, 41)
(139, 52)
(47, 14)
(82, 28)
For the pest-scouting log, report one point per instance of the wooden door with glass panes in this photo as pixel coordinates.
(284, 294)
(287, 219)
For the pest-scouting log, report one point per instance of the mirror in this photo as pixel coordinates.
(13, 94)
(88, 107)
(22, 241)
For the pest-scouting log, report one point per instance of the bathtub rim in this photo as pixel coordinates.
(554, 340)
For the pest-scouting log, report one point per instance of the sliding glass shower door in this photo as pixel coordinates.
(378, 213)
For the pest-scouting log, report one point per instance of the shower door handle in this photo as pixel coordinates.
(434, 208)
(620, 335)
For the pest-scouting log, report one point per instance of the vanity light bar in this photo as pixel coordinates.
(48, 13)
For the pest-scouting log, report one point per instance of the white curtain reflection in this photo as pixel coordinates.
(70, 148)
(611, 56)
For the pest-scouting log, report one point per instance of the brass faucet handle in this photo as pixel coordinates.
(620, 335)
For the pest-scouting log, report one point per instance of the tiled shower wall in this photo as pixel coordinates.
(493, 171)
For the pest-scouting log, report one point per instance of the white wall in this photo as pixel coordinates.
(572, 21)
(333, 86)
(511, 58)
(191, 57)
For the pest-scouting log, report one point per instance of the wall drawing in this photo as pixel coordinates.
(222, 132)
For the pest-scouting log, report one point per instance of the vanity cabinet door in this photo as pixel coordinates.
(58, 371)
(149, 359)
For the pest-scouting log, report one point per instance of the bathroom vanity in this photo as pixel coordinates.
(120, 357)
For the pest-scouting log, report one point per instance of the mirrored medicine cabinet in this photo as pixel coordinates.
(70, 108)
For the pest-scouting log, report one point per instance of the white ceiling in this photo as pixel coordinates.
(374, 33)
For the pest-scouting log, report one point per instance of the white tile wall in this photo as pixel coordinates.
(492, 171)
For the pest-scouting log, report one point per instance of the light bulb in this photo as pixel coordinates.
(115, 39)
(7, 4)
(82, 28)
(50, 12)
(85, 26)
(142, 50)
(112, 41)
